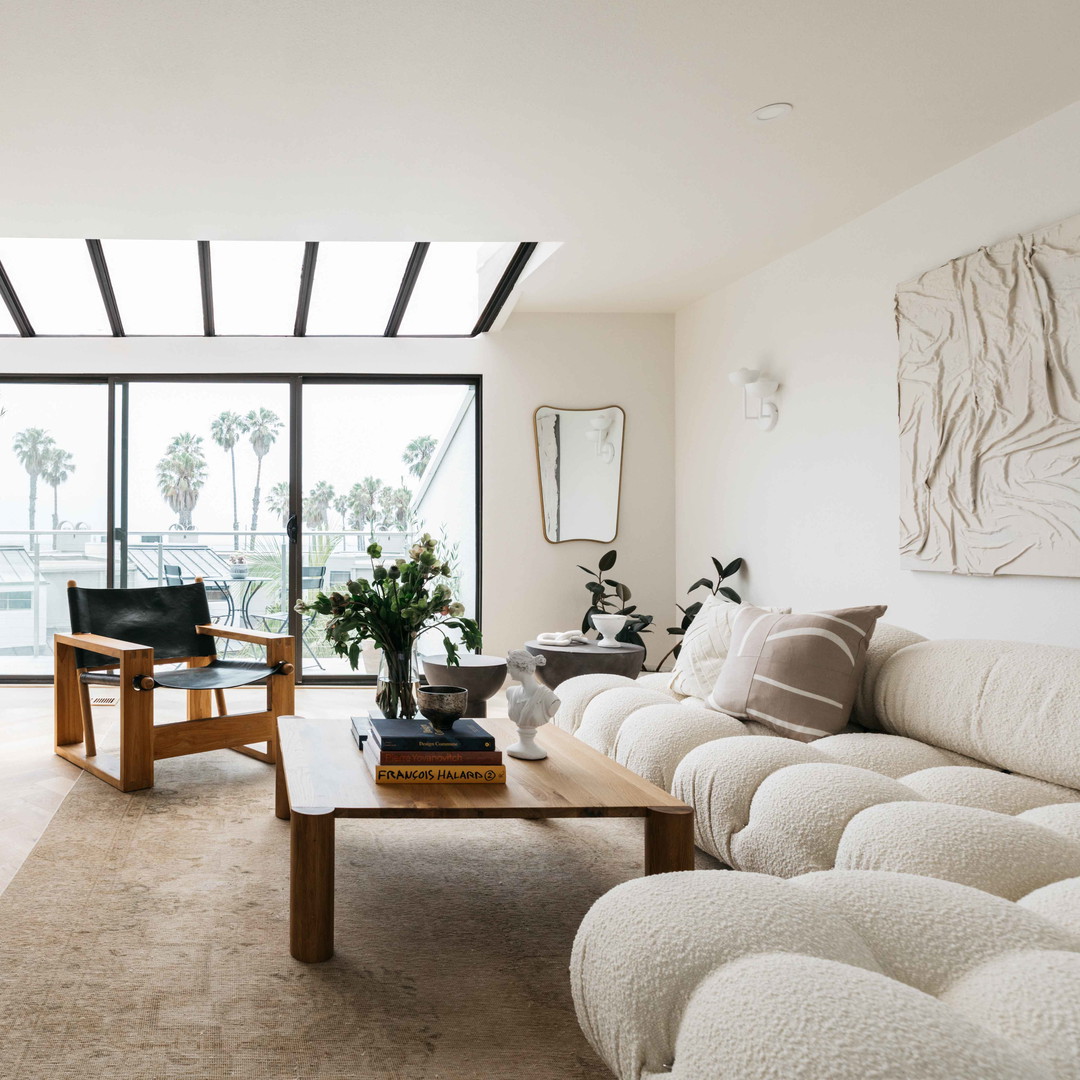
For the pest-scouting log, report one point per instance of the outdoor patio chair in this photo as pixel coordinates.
(119, 638)
(311, 580)
(216, 592)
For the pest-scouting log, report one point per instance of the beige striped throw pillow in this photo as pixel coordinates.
(797, 674)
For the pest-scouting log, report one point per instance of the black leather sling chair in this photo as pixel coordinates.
(118, 638)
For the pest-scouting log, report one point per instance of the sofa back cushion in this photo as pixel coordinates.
(1012, 705)
(797, 674)
(705, 647)
(887, 640)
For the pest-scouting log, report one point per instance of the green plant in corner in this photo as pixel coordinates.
(615, 602)
(689, 613)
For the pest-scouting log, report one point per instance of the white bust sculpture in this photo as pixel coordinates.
(531, 703)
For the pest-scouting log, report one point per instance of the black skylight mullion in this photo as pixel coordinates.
(501, 293)
(207, 281)
(108, 297)
(408, 283)
(11, 301)
(307, 280)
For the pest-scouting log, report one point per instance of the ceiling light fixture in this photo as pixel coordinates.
(773, 111)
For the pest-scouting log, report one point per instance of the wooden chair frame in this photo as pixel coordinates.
(141, 743)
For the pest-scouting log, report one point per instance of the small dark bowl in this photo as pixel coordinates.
(442, 705)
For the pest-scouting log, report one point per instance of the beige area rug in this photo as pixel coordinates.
(146, 937)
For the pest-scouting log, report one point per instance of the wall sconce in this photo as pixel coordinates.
(761, 387)
(597, 432)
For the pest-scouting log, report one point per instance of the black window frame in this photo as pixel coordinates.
(308, 270)
(116, 457)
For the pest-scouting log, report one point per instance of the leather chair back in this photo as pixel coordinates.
(162, 618)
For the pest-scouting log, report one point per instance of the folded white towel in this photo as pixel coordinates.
(562, 637)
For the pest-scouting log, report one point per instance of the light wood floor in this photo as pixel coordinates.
(34, 781)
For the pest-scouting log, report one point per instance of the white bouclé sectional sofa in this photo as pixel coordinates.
(965, 766)
(838, 975)
(912, 906)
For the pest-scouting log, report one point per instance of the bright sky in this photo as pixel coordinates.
(350, 431)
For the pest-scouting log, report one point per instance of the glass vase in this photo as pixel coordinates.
(397, 683)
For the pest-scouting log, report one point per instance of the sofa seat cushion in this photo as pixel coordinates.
(779, 807)
(653, 740)
(1059, 902)
(575, 694)
(998, 853)
(606, 712)
(840, 974)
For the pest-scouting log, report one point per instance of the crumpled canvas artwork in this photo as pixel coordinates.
(989, 386)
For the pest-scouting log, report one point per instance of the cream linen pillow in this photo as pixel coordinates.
(797, 674)
(705, 646)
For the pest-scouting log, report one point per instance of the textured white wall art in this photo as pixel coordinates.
(990, 409)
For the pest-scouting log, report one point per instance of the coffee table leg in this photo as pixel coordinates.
(311, 887)
(669, 839)
(281, 790)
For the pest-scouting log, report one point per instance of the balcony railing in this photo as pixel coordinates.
(36, 565)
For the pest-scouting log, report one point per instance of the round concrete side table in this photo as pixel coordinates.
(566, 661)
(483, 676)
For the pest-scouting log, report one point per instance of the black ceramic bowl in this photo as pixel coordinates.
(442, 705)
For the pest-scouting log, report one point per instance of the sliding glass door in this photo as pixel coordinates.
(267, 488)
(385, 463)
(53, 512)
(203, 491)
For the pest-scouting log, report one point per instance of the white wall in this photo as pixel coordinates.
(443, 507)
(813, 504)
(583, 361)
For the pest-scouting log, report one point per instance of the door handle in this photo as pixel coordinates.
(292, 529)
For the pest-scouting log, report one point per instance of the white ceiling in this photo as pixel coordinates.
(621, 127)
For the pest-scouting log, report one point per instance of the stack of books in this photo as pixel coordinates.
(417, 752)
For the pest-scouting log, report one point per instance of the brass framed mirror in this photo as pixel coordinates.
(579, 456)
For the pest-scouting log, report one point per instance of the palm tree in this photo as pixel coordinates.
(277, 502)
(341, 506)
(317, 504)
(226, 431)
(263, 426)
(362, 498)
(418, 454)
(395, 504)
(32, 448)
(181, 474)
(59, 465)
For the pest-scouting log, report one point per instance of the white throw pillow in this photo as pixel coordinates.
(705, 647)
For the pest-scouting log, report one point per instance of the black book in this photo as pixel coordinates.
(421, 734)
(360, 730)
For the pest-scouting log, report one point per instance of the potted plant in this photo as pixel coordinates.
(689, 613)
(238, 565)
(401, 600)
(615, 602)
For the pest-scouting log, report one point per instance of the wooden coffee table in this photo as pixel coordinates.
(321, 776)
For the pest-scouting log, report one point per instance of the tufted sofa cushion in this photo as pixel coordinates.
(640, 724)
(1015, 706)
(875, 801)
(848, 975)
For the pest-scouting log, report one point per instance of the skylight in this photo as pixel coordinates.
(454, 284)
(255, 287)
(256, 283)
(156, 283)
(7, 323)
(54, 281)
(355, 286)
